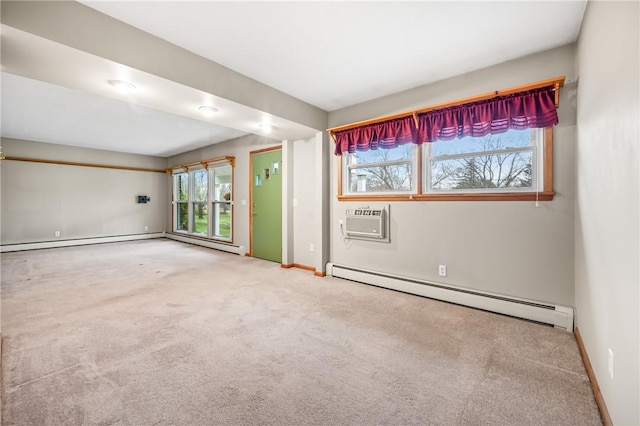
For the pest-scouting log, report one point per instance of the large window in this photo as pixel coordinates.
(203, 202)
(494, 146)
(515, 165)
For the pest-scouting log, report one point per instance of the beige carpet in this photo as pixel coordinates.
(160, 332)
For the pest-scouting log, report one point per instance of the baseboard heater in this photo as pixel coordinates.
(231, 248)
(78, 242)
(556, 315)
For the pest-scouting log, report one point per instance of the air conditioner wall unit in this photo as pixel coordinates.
(367, 223)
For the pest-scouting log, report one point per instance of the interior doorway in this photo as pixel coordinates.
(266, 204)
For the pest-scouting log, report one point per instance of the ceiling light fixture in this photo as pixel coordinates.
(122, 86)
(208, 111)
(266, 127)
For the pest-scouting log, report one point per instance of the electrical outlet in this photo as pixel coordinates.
(611, 363)
(57, 233)
(442, 270)
(146, 228)
(341, 223)
(312, 247)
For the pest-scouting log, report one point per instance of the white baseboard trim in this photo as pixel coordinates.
(231, 248)
(556, 315)
(78, 242)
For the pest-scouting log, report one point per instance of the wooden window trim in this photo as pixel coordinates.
(206, 164)
(74, 163)
(557, 82)
(509, 196)
(203, 163)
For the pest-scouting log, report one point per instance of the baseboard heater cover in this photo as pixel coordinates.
(231, 248)
(78, 242)
(556, 315)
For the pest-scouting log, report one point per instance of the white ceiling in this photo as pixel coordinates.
(66, 115)
(329, 54)
(335, 54)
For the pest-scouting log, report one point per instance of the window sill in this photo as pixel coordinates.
(510, 196)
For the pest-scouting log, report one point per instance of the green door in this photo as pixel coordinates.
(266, 205)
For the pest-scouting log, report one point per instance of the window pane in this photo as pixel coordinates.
(403, 152)
(200, 223)
(182, 187)
(387, 178)
(222, 183)
(183, 217)
(496, 171)
(200, 185)
(509, 139)
(380, 177)
(222, 220)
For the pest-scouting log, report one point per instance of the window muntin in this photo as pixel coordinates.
(506, 162)
(380, 170)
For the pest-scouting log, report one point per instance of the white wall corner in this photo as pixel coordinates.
(321, 204)
(287, 207)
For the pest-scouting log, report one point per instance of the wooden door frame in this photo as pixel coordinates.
(251, 177)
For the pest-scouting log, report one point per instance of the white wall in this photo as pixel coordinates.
(510, 248)
(607, 214)
(305, 213)
(80, 202)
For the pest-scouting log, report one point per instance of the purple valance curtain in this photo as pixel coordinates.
(387, 134)
(525, 110)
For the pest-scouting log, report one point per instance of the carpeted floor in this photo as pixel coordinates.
(160, 332)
